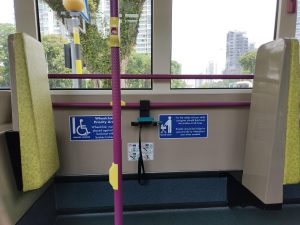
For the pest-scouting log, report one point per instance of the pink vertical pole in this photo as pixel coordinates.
(116, 99)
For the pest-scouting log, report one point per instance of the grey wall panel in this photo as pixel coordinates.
(5, 107)
(13, 203)
(222, 150)
(286, 21)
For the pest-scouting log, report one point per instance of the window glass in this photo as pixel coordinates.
(219, 37)
(7, 26)
(136, 29)
(298, 21)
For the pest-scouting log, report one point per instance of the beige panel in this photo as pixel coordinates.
(223, 150)
(264, 154)
(13, 83)
(286, 25)
(13, 203)
(162, 42)
(162, 36)
(5, 108)
(26, 18)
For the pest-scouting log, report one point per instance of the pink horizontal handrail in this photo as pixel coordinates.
(160, 105)
(151, 76)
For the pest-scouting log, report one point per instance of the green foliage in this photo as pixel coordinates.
(176, 69)
(55, 5)
(138, 64)
(96, 55)
(54, 49)
(5, 30)
(129, 29)
(95, 46)
(178, 84)
(248, 61)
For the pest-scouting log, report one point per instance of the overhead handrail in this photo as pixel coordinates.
(153, 76)
(157, 105)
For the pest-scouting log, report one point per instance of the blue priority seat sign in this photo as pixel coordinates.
(91, 128)
(183, 126)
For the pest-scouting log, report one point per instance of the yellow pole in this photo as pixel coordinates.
(75, 7)
(78, 62)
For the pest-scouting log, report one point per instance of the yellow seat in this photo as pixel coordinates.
(292, 144)
(32, 111)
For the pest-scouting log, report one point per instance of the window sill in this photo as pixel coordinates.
(5, 127)
(153, 92)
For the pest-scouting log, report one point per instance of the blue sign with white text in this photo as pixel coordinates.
(85, 12)
(91, 128)
(183, 126)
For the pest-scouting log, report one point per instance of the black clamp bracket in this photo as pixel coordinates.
(144, 120)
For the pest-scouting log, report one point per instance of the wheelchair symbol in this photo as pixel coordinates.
(82, 130)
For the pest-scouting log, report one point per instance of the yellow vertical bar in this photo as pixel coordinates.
(78, 62)
(78, 67)
(76, 36)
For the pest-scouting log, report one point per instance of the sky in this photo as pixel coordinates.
(200, 28)
(7, 11)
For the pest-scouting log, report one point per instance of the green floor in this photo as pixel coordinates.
(289, 215)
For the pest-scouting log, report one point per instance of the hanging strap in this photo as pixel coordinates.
(141, 167)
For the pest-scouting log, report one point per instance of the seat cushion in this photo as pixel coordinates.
(39, 154)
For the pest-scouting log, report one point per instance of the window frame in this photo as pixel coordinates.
(103, 89)
(26, 14)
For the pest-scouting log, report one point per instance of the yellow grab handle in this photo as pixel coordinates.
(123, 103)
(113, 176)
(114, 32)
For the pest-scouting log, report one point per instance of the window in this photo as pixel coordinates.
(219, 37)
(298, 21)
(95, 51)
(7, 26)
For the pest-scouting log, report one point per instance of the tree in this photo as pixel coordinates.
(53, 45)
(95, 44)
(138, 63)
(176, 69)
(248, 61)
(54, 49)
(5, 30)
(178, 84)
(96, 55)
(129, 28)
